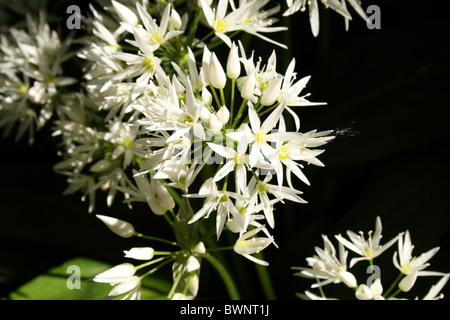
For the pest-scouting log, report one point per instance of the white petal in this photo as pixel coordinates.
(116, 274)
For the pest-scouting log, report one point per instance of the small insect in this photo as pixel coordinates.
(347, 130)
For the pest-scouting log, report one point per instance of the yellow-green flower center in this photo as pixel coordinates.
(239, 159)
(49, 79)
(262, 188)
(128, 143)
(284, 153)
(148, 64)
(264, 85)
(261, 137)
(22, 89)
(220, 26)
(156, 37)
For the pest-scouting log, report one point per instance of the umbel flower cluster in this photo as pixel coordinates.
(174, 111)
(329, 266)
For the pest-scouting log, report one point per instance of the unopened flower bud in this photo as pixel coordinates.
(175, 19)
(376, 288)
(162, 201)
(101, 165)
(348, 278)
(192, 264)
(214, 124)
(363, 293)
(119, 227)
(217, 75)
(125, 13)
(116, 274)
(248, 88)
(223, 115)
(206, 97)
(144, 253)
(200, 248)
(233, 63)
(408, 282)
(206, 58)
(204, 116)
(193, 285)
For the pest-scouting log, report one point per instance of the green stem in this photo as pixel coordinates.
(393, 285)
(268, 110)
(138, 234)
(394, 294)
(175, 283)
(226, 277)
(220, 248)
(216, 98)
(157, 267)
(233, 85)
(204, 38)
(150, 263)
(240, 112)
(222, 97)
(193, 27)
(264, 278)
(176, 197)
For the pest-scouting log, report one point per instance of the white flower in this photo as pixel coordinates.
(215, 200)
(370, 248)
(406, 263)
(262, 189)
(236, 160)
(131, 286)
(370, 293)
(220, 21)
(292, 148)
(153, 192)
(328, 267)
(123, 278)
(291, 90)
(260, 135)
(153, 34)
(246, 245)
(412, 267)
(257, 20)
(119, 227)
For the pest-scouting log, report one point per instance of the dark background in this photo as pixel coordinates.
(387, 91)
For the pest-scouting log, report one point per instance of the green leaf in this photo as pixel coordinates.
(59, 283)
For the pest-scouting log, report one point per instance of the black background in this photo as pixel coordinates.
(390, 86)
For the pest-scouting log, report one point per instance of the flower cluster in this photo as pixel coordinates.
(328, 266)
(31, 77)
(164, 119)
(173, 110)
